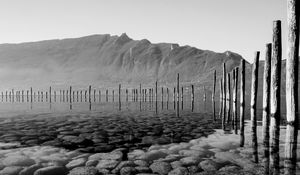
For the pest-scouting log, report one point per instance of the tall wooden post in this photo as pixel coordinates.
(94, 95)
(90, 89)
(168, 94)
(50, 94)
(228, 98)
(254, 86)
(192, 98)
(31, 94)
(178, 87)
(221, 98)
(275, 97)
(204, 93)
(266, 107)
(234, 100)
(162, 94)
(119, 96)
(242, 104)
(106, 95)
(236, 79)
(292, 66)
(70, 94)
(140, 92)
(213, 95)
(224, 96)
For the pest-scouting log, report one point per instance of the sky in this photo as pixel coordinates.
(241, 26)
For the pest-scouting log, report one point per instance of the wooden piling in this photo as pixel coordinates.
(292, 66)
(254, 86)
(90, 89)
(50, 94)
(236, 80)
(162, 94)
(242, 104)
(156, 91)
(275, 97)
(70, 94)
(234, 111)
(224, 96)
(228, 98)
(266, 108)
(221, 98)
(178, 87)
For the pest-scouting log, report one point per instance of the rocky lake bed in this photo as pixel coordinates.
(128, 143)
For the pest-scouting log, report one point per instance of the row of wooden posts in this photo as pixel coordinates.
(271, 97)
(78, 95)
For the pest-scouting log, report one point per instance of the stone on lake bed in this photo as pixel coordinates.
(187, 161)
(179, 171)
(114, 155)
(18, 161)
(30, 170)
(107, 164)
(128, 171)
(209, 165)
(236, 159)
(153, 155)
(161, 167)
(51, 170)
(11, 170)
(190, 153)
(91, 163)
(84, 171)
(76, 163)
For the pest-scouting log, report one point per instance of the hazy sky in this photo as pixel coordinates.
(241, 26)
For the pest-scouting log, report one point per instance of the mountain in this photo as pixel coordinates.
(105, 61)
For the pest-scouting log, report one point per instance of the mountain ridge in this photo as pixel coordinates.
(106, 60)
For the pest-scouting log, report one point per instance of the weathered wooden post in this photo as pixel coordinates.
(233, 101)
(266, 107)
(94, 95)
(63, 95)
(162, 94)
(236, 80)
(113, 95)
(156, 91)
(31, 94)
(174, 94)
(90, 89)
(54, 96)
(275, 97)
(254, 86)
(228, 98)
(292, 66)
(126, 95)
(242, 104)
(213, 94)
(42, 96)
(85, 95)
(192, 98)
(50, 94)
(80, 95)
(27, 96)
(106, 95)
(119, 96)
(46, 96)
(224, 96)
(12, 95)
(182, 94)
(140, 92)
(70, 94)
(178, 87)
(22, 95)
(221, 98)
(77, 95)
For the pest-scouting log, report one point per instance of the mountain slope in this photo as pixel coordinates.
(105, 61)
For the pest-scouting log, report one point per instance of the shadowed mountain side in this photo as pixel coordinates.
(105, 61)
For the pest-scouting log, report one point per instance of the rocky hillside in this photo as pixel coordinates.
(105, 61)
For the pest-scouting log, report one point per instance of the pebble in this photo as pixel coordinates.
(179, 171)
(84, 171)
(51, 170)
(161, 167)
(11, 170)
(76, 163)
